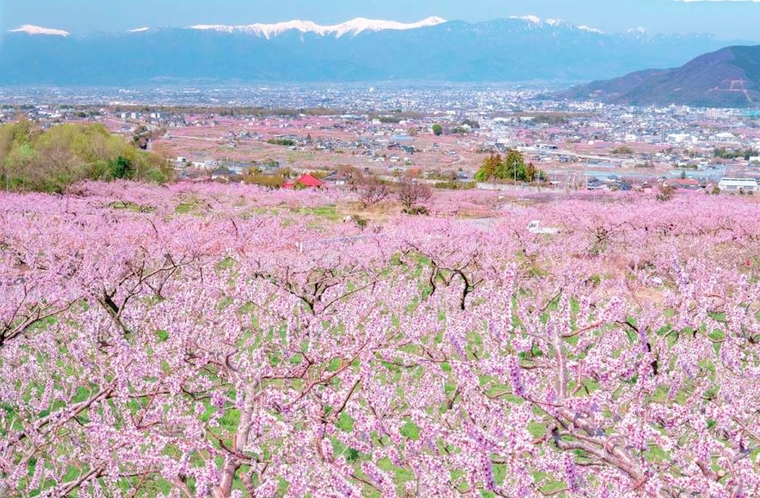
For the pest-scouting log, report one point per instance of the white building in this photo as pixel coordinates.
(738, 184)
(725, 137)
(680, 138)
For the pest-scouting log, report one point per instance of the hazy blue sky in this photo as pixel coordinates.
(729, 20)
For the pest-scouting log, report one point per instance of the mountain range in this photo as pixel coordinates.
(524, 49)
(729, 77)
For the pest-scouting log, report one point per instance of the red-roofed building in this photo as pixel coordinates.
(685, 183)
(306, 181)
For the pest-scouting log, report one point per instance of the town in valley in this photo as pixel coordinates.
(390, 132)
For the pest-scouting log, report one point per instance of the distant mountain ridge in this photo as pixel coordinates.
(524, 49)
(355, 26)
(729, 77)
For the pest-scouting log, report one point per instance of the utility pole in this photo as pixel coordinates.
(515, 168)
(585, 175)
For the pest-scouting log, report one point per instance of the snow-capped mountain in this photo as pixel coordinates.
(533, 21)
(518, 49)
(30, 29)
(353, 27)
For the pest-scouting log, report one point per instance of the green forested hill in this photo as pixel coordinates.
(49, 160)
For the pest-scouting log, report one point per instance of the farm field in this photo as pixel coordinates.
(227, 341)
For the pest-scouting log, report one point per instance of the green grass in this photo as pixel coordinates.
(185, 208)
(328, 211)
(131, 206)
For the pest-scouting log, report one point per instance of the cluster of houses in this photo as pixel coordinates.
(726, 184)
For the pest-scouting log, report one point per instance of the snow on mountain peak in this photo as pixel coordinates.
(358, 25)
(591, 30)
(354, 27)
(537, 21)
(37, 30)
(555, 23)
(531, 18)
(139, 30)
(265, 30)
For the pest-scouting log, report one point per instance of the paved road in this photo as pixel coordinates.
(505, 187)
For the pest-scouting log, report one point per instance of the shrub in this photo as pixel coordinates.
(362, 222)
(285, 142)
(416, 211)
(120, 168)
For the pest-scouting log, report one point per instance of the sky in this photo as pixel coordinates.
(727, 19)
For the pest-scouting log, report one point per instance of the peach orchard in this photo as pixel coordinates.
(227, 342)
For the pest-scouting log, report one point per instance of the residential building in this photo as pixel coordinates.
(738, 185)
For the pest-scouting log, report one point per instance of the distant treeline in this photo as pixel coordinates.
(87, 110)
(33, 159)
(395, 116)
(550, 118)
(390, 116)
(723, 153)
(285, 142)
(231, 111)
